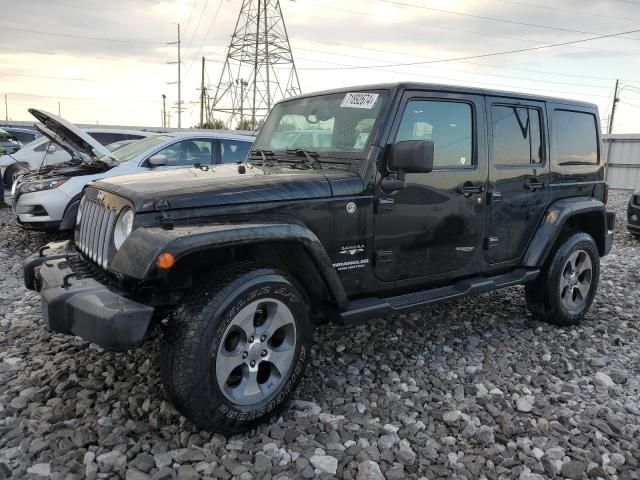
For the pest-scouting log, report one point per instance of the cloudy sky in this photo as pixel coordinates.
(106, 62)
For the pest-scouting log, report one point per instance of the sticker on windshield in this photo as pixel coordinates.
(360, 100)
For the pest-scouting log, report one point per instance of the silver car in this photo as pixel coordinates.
(49, 199)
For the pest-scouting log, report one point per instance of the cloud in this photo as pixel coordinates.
(127, 76)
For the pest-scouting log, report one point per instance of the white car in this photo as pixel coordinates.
(49, 199)
(42, 152)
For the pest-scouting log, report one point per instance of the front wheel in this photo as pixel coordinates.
(238, 348)
(567, 284)
(13, 174)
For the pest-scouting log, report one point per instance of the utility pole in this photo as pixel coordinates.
(179, 62)
(6, 110)
(59, 109)
(613, 108)
(616, 99)
(164, 111)
(202, 94)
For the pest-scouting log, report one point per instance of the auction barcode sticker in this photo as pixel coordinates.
(360, 100)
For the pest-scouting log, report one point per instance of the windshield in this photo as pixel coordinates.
(137, 147)
(339, 123)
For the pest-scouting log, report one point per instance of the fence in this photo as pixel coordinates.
(622, 153)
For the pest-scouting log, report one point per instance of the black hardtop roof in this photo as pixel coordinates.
(448, 88)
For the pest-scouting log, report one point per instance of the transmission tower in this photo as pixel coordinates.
(259, 68)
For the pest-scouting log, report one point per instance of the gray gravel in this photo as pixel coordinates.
(472, 389)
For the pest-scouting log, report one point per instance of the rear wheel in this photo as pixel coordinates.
(237, 349)
(565, 289)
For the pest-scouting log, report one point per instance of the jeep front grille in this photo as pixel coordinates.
(93, 234)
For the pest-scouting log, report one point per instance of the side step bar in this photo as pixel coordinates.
(365, 308)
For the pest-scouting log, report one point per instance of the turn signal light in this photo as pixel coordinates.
(165, 260)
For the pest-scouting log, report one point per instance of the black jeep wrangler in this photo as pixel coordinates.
(353, 204)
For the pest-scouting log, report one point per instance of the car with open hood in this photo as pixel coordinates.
(42, 152)
(418, 194)
(48, 199)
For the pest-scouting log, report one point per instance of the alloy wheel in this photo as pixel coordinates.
(256, 351)
(575, 283)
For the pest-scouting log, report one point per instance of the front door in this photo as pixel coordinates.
(519, 176)
(435, 225)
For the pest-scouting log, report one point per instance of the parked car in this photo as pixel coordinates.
(425, 193)
(49, 199)
(633, 214)
(23, 135)
(42, 152)
(9, 143)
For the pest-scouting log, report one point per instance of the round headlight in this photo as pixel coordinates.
(123, 228)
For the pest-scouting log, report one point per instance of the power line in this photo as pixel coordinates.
(465, 82)
(68, 35)
(493, 19)
(567, 10)
(52, 52)
(197, 25)
(46, 76)
(96, 99)
(215, 16)
(462, 70)
(395, 52)
(440, 27)
(493, 54)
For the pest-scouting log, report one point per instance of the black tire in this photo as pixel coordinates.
(192, 344)
(544, 296)
(11, 173)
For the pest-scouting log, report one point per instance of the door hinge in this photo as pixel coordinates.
(490, 242)
(383, 256)
(384, 205)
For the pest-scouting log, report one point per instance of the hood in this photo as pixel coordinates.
(70, 137)
(224, 185)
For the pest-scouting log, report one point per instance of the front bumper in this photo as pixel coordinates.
(76, 304)
(53, 202)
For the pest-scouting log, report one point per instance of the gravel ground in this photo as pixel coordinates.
(472, 389)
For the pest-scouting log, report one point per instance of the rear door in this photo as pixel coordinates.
(519, 189)
(435, 226)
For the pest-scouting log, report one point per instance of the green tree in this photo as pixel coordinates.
(214, 124)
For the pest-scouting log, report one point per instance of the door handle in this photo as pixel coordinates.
(467, 189)
(534, 185)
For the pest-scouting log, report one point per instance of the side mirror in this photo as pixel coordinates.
(158, 160)
(51, 148)
(412, 156)
(408, 156)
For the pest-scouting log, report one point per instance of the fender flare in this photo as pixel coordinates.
(554, 220)
(136, 258)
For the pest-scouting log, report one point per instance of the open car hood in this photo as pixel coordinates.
(70, 137)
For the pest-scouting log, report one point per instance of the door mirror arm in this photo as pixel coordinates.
(393, 182)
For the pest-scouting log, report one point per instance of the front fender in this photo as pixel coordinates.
(557, 216)
(137, 256)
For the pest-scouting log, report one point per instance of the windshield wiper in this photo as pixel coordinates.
(263, 154)
(311, 157)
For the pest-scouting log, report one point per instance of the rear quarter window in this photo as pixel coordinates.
(575, 138)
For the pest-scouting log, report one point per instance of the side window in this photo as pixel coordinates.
(575, 138)
(517, 135)
(449, 125)
(25, 137)
(233, 150)
(186, 152)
